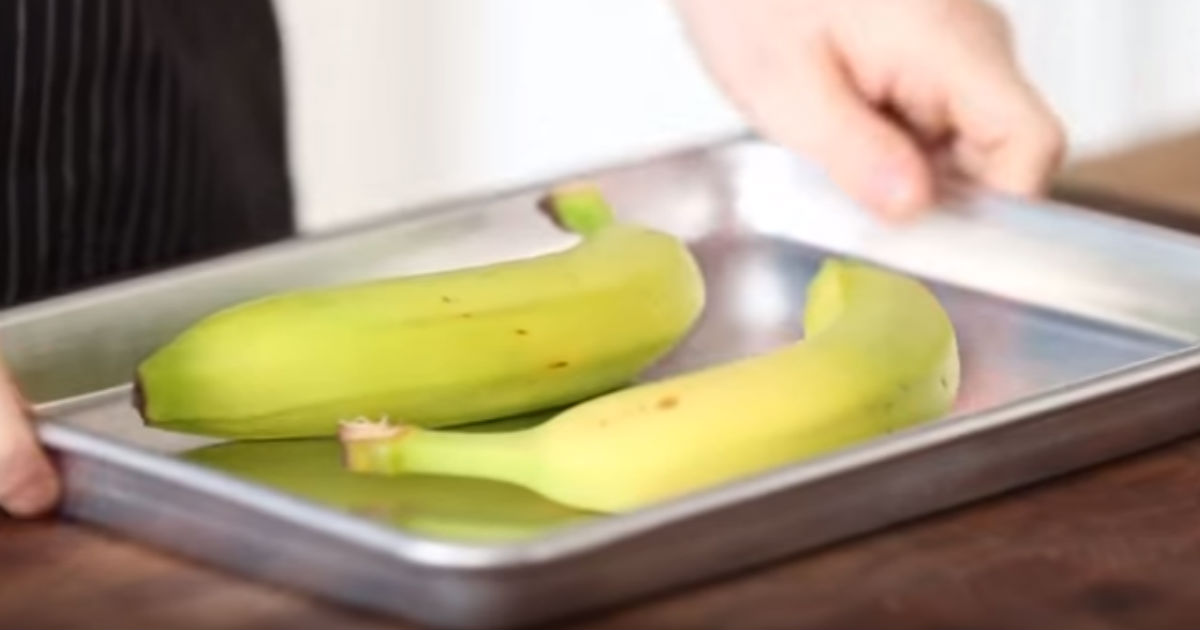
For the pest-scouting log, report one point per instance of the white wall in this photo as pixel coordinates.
(395, 102)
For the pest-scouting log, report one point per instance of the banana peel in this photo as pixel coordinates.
(440, 349)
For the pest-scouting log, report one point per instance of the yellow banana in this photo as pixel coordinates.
(437, 349)
(880, 354)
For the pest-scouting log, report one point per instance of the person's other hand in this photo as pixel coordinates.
(883, 93)
(29, 485)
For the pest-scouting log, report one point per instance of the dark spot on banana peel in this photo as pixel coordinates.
(558, 365)
(447, 299)
(466, 315)
(944, 382)
(668, 402)
(522, 332)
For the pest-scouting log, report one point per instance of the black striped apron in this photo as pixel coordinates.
(135, 134)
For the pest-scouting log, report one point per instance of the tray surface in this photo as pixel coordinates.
(1044, 299)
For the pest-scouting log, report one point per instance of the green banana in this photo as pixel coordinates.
(438, 349)
(880, 353)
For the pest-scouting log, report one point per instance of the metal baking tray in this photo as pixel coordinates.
(1077, 329)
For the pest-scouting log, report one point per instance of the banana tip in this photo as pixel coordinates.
(139, 398)
(364, 429)
(360, 438)
(577, 206)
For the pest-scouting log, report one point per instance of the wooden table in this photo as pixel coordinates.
(1116, 546)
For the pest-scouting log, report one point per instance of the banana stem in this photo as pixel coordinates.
(393, 450)
(580, 208)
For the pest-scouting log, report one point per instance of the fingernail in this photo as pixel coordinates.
(893, 191)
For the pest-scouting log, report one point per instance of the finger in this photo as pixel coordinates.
(29, 485)
(821, 114)
(918, 106)
(1008, 138)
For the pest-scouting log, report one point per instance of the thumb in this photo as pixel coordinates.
(866, 154)
(29, 485)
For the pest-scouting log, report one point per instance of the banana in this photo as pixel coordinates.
(880, 353)
(437, 349)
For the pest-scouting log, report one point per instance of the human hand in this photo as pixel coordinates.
(884, 94)
(29, 485)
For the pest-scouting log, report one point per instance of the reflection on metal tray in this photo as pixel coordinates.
(1077, 344)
